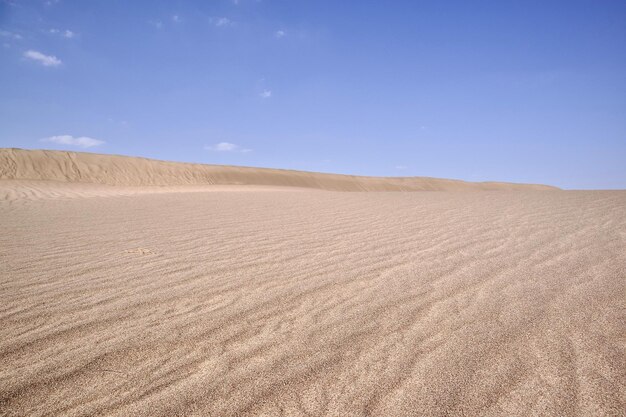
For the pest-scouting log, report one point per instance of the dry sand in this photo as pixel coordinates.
(130, 171)
(233, 300)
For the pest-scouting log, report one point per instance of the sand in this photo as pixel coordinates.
(246, 300)
(81, 167)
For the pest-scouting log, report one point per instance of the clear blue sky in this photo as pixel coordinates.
(524, 91)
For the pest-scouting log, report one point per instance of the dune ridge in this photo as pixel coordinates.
(82, 167)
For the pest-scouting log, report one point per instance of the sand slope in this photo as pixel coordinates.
(129, 171)
(257, 302)
(19, 192)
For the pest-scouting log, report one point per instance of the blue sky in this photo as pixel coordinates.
(524, 91)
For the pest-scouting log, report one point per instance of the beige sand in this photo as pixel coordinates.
(224, 301)
(130, 171)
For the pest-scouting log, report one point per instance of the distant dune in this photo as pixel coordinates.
(80, 167)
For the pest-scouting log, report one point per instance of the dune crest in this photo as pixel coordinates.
(20, 164)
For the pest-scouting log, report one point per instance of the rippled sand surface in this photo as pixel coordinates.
(263, 302)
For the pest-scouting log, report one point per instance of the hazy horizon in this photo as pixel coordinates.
(529, 93)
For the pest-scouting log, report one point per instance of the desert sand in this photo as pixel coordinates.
(133, 287)
(82, 167)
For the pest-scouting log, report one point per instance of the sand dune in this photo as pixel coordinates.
(268, 301)
(129, 171)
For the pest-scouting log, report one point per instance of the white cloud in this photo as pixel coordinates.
(266, 94)
(45, 60)
(401, 167)
(10, 35)
(68, 34)
(221, 21)
(280, 33)
(81, 141)
(223, 146)
(176, 19)
(226, 147)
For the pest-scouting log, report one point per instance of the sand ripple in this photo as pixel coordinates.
(314, 303)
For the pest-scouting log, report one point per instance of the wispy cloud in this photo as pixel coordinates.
(156, 23)
(266, 94)
(280, 33)
(221, 21)
(226, 147)
(68, 34)
(43, 59)
(81, 141)
(401, 167)
(176, 19)
(10, 35)
(122, 123)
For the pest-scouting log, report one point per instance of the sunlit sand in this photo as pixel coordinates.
(132, 287)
